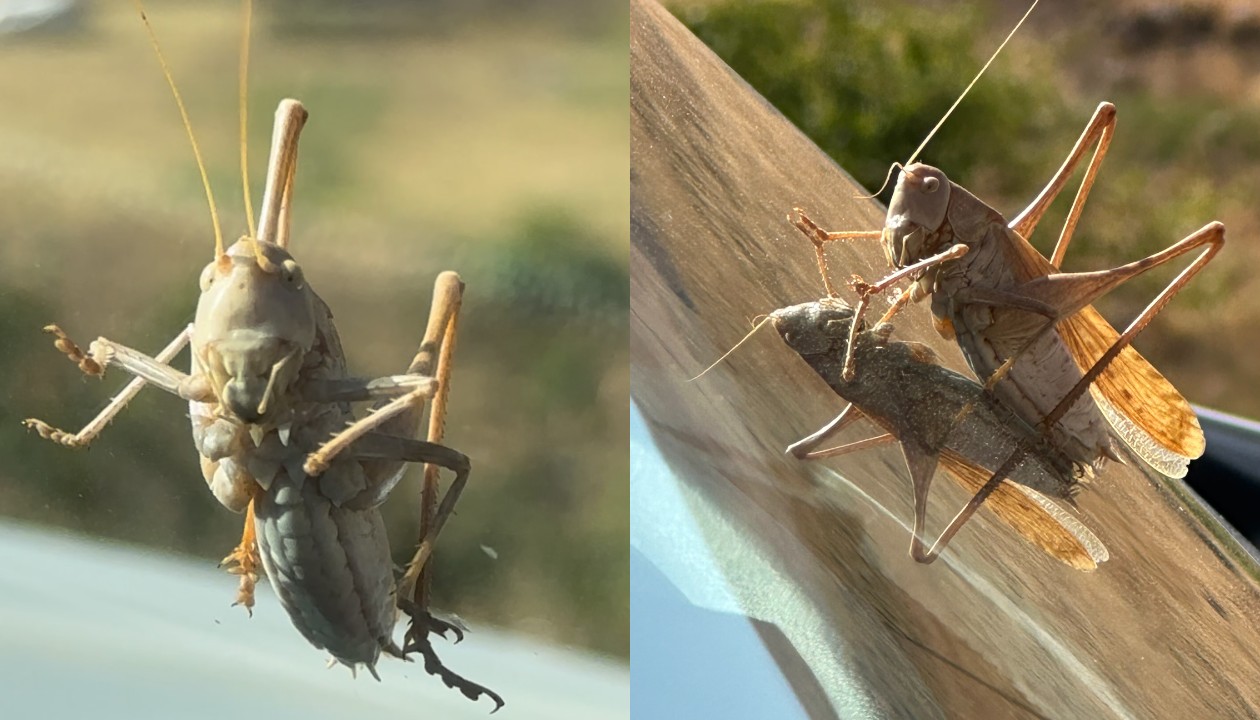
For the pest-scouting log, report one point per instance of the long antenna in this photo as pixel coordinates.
(248, 12)
(727, 354)
(183, 114)
(992, 57)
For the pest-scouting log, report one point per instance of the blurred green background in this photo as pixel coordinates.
(868, 80)
(488, 137)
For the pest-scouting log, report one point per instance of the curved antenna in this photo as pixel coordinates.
(192, 139)
(727, 354)
(992, 57)
(248, 12)
(887, 178)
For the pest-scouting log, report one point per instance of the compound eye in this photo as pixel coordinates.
(931, 184)
(207, 277)
(291, 273)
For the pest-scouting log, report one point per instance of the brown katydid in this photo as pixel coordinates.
(1026, 328)
(269, 399)
(916, 401)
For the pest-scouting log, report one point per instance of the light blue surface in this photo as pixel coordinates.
(89, 629)
(694, 652)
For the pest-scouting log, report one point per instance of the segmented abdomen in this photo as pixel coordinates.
(330, 567)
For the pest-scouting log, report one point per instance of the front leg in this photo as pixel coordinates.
(820, 237)
(103, 353)
(90, 364)
(867, 290)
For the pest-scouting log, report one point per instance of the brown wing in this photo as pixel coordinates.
(1146, 410)
(1032, 515)
(1133, 387)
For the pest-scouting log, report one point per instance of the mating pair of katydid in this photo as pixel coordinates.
(1056, 374)
(1058, 381)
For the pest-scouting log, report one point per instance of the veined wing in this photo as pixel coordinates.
(1145, 409)
(1037, 518)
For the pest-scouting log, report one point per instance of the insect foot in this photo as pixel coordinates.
(860, 286)
(422, 624)
(245, 561)
(86, 363)
(48, 432)
(820, 237)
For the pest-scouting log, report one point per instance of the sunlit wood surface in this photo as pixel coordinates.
(1165, 628)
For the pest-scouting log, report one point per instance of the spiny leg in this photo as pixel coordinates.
(1213, 235)
(861, 287)
(378, 446)
(422, 623)
(92, 367)
(414, 587)
(401, 415)
(373, 440)
(905, 297)
(448, 296)
(332, 390)
(244, 559)
(1099, 129)
(433, 359)
(867, 290)
(819, 237)
(1059, 295)
(318, 461)
(1068, 293)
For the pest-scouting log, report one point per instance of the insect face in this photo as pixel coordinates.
(814, 328)
(915, 214)
(252, 356)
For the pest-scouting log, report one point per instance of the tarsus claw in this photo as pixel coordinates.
(417, 640)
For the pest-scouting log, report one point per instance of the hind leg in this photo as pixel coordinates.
(412, 595)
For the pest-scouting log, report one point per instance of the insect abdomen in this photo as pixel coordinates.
(331, 569)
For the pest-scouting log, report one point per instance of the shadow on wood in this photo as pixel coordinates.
(994, 628)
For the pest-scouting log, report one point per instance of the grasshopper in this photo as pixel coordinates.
(904, 390)
(269, 399)
(1024, 327)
